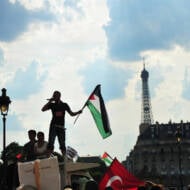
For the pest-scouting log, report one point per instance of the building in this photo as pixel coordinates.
(162, 151)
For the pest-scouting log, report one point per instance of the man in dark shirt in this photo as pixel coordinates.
(57, 125)
(28, 149)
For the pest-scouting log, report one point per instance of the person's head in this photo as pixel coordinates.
(157, 187)
(40, 136)
(141, 187)
(91, 185)
(32, 134)
(56, 95)
(67, 187)
(109, 188)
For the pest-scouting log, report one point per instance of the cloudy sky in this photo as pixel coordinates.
(73, 45)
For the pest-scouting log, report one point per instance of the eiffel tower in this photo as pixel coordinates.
(146, 114)
(161, 153)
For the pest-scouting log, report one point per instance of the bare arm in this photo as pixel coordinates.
(46, 106)
(74, 113)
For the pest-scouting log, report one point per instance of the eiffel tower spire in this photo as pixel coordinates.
(146, 112)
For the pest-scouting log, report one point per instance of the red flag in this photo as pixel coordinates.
(119, 178)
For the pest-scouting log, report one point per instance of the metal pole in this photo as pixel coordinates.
(4, 179)
(4, 137)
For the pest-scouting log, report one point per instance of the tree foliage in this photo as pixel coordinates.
(11, 151)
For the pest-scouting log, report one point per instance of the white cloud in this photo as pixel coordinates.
(60, 50)
(36, 4)
(168, 102)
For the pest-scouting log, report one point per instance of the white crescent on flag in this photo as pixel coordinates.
(112, 179)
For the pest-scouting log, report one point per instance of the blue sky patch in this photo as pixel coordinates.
(137, 26)
(113, 80)
(15, 18)
(25, 82)
(12, 123)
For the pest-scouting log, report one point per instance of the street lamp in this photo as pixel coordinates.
(179, 136)
(4, 108)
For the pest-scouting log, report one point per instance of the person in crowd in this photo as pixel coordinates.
(91, 185)
(142, 187)
(68, 187)
(40, 147)
(75, 186)
(157, 187)
(57, 125)
(109, 188)
(28, 149)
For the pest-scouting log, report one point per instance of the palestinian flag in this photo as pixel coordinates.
(95, 103)
(107, 159)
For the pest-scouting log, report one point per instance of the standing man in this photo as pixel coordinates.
(57, 125)
(28, 149)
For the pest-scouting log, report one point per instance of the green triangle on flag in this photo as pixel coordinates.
(96, 105)
(107, 159)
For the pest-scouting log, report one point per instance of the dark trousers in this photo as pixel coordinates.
(60, 133)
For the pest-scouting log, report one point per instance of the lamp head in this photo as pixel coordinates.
(4, 102)
(178, 135)
(178, 139)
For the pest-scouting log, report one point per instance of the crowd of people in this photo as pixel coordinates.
(38, 148)
(92, 185)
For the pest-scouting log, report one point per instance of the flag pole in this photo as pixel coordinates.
(78, 116)
(109, 156)
(86, 103)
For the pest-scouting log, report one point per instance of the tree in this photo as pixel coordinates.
(11, 151)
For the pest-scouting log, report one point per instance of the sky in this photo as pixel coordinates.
(73, 45)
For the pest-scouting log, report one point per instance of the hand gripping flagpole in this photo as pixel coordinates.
(86, 102)
(82, 110)
(79, 114)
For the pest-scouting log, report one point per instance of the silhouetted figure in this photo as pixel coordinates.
(91, 185)
(157, 187)
(75, 186)
(40, 147)
(141, 187)
(12, 176)
(109, 188)
(28, 149)
(57, 125)
(68, 187)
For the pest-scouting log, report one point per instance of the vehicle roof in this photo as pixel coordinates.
(78, 166)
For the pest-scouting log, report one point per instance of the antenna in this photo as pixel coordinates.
(143, 62)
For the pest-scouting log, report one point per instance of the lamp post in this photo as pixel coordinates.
(4, 108)
(179, 136)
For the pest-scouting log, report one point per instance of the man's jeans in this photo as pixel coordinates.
(59, 131)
